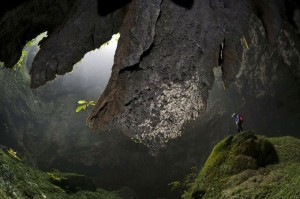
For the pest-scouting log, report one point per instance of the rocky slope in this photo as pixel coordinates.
(250, 166)
(20, 181)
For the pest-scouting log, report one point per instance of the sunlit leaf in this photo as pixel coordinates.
(246, 43)
(82, 102)
(79, 108)
(93, 103)
(84, 107)
(13, 153)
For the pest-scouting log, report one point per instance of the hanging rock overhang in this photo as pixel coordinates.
(165, 58)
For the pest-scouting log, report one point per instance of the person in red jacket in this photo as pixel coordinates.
(239, 119)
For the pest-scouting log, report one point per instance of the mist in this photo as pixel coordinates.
(89, 76)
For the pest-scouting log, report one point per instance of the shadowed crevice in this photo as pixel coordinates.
(108, 6)
(184, 3)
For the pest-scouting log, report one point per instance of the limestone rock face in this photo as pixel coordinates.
(25, 22)
(164, 64)
(153, 98)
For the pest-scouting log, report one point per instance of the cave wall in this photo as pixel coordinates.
(165, 57)
(165, 68)
(153, 99)
(74, 28)
(23, 21)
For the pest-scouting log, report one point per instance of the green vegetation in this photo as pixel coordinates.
(22, 60)
(53, 177)
(249, 166)
(13, 153)
(28, 45)
(84, 104)
(114, 39)
(20, 181)
(135, 140)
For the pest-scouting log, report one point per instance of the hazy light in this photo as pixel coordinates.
(93, 71)
(99, 61)
(89, 76)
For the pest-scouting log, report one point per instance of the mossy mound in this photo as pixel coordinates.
(20, 181)
(250, 166)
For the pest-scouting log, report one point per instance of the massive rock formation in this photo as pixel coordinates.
(162, 73)
(164, 63)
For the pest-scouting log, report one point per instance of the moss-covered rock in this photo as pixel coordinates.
(20, 181)
(250, 166)
(72, 182)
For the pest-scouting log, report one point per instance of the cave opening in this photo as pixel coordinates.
(29, 51)
(91, 74)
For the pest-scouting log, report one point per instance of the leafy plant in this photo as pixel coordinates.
(182, 185)
(175, 185)
(26, 49)
(22, 60)
(54, 177)
(135, 140)
(84, 104)
(13, 153)
(245, 41)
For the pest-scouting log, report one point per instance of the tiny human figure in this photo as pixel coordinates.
(239, 119)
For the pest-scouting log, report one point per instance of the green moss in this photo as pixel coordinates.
(3, 194)
(54, 177)
(249, 166)
(99, 193)
(20, 181)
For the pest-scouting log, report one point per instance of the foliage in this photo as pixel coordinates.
(21, 61)
(20, 181)
(187, 182)
(136, 140)
(54, 177)
(245, 41)
(175, 185)
(84, 104)
(26, 48)
(13, 154)
(114, 39)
